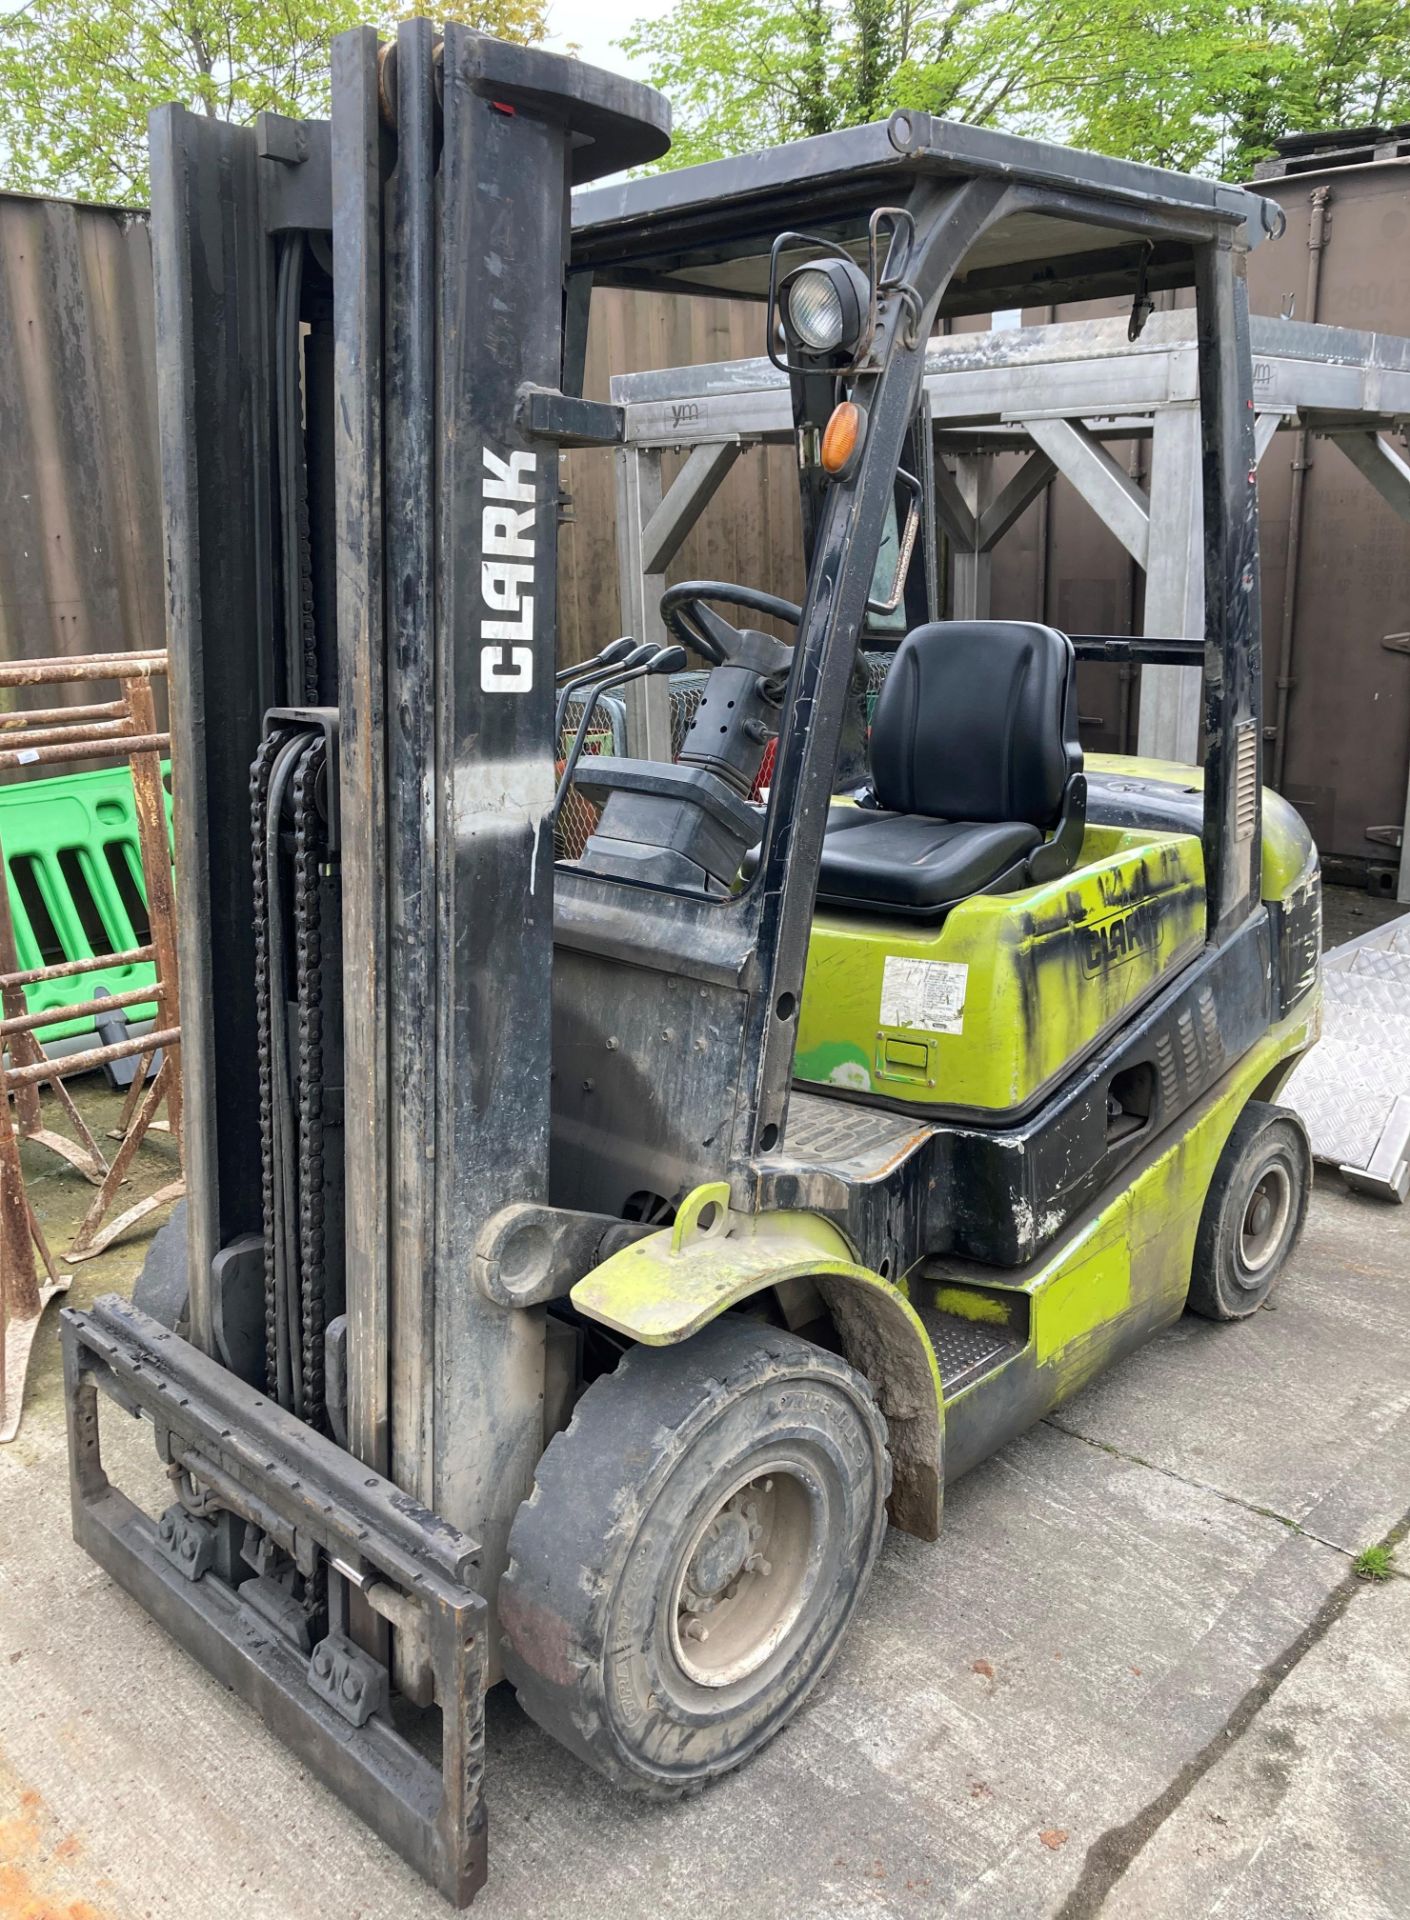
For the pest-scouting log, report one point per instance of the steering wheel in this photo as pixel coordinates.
(694, 625)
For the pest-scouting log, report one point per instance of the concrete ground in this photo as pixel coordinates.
(1350, 911)
(1136, 1677)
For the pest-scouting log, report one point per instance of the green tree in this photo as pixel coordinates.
(742, 75)
(77, 77)
(1197, 84)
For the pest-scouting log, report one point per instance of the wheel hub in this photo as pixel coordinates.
(1265, 1217)
(745, 1579)
(721, 1555)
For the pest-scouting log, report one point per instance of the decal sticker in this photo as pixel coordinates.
(1116, 938)
(510, 490)
(928, 994)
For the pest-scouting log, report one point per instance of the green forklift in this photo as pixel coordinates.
(587, 1257)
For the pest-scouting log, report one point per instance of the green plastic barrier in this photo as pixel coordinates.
(75, 878)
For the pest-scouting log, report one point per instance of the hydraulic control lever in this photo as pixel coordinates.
(614, 651)
(591, 680)
(612, 655)
(569, 679)
(645, 659)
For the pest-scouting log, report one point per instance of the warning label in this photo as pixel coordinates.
(926, 994)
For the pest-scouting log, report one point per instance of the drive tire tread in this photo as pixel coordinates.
(161, 1287)
(630, 1429)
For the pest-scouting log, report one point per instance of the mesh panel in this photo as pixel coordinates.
(607, 735)
(578, 817)
(877, 665)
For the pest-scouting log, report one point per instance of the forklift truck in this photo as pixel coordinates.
(585, 1258)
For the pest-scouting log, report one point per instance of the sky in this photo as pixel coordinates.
(595, 24)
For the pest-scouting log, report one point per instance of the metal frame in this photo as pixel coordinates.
(973, 198)
(272, 1473)
(1064, 392)
(62, 735)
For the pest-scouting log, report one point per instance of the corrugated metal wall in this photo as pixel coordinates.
(751, 530)
(80, 553)
(80, 506)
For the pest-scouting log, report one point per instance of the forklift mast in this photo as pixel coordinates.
(361, 347)
(403, 618)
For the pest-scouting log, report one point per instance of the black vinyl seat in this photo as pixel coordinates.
(976, 773)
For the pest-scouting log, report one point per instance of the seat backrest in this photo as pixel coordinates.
(977, 721)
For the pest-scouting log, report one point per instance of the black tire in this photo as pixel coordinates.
(161, 1286)
(614, 1570)
(1253, 1213)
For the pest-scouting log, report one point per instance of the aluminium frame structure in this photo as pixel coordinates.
(1058, 395)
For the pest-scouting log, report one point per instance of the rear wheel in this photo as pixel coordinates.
(1253, 1213)
(692, 1552)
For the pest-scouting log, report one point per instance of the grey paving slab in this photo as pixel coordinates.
(1081, 1634)
(1304, 1818)
(1305, 1408)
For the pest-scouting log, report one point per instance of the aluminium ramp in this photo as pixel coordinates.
(1353, 1090)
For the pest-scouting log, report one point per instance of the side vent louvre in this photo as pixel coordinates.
(1189, 1055)
(1209, 1024)
(1189, 1048)
(1245, 780)
(1169, 1073)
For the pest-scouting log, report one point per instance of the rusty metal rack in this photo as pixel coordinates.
(57, 735)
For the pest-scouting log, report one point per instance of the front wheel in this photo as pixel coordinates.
(1253, 1213)
(694, 1547)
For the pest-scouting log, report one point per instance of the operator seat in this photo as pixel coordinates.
(976, 773)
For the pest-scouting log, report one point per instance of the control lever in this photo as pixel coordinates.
(614, 650)
(646, 659)
(592, 682)
(615, 654)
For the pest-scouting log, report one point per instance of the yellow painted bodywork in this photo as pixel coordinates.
(1287, 844)
(1124, 1270)
(1047, 972)
(1115, 1278)
(665, 1287)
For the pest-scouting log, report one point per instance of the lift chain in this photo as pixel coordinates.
(303, 544)
(309, 853)
(300, 1177)
(259, 802)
